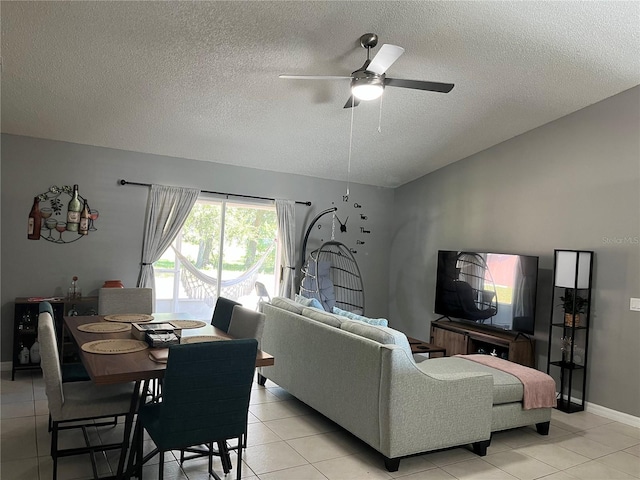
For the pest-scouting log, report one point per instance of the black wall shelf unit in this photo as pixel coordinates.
(569, 326)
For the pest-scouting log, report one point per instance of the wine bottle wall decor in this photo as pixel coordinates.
(61, 215)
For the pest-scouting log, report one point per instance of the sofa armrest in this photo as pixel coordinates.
(422, 412)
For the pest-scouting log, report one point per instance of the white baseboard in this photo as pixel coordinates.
(607, 412)
(613, 414)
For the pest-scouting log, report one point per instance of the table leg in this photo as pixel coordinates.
(134, 465)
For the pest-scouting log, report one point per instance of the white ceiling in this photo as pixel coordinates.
(200, 79)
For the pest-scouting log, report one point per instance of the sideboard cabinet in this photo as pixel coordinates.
(463, 339)
(25, 328)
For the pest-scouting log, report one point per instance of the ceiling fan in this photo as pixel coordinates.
(368, 82)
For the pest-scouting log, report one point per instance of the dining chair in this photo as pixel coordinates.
(222, 313)
(125, 300)
(246, 323)
(205, 400)
(80, 404)
(71, 372)
(128, 300)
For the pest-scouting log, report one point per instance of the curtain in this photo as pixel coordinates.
(285, 210)
(167, 211)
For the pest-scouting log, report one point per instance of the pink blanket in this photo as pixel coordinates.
(539, 388)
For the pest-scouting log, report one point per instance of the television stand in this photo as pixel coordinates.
(462, 338)
(524, 335)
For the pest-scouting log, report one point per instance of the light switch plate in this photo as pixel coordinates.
(634, 304)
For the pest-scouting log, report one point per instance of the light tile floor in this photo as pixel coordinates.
(290, 441)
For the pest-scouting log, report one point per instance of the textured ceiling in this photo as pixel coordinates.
(200, 79)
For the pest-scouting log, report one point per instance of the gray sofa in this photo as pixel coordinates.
(364, 378)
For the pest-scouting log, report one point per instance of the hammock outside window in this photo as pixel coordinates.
(200, 286)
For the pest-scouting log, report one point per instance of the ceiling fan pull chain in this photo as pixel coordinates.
(380, 117)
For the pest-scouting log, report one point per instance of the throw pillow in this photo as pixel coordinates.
(384, 335)
(383, 322)
(310, 302)
(325, 285)
(318, 284)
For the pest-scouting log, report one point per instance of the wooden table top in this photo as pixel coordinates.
(129, 367)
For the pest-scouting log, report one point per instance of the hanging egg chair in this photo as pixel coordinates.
(331, 275)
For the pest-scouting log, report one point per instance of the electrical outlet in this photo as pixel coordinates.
(634, 305)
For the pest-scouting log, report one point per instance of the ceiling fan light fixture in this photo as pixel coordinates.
(367, 88)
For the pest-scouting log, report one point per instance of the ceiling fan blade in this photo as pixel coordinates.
(419, 85)
(314, 77)
(352, 102)
(384, 58)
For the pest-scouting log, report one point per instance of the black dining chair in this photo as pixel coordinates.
(222, 313)
(205, 400)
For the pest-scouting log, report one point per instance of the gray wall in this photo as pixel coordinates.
(41, 268)
(573, 183)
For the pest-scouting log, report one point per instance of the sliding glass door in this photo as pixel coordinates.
(224, 248)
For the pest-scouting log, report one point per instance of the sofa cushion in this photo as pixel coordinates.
(354, 316)
(384, 335)
(319, 285)
(287, 304)
(323, 317)
(506, 387)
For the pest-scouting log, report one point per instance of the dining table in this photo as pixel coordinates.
(137, 366)
(134, 366)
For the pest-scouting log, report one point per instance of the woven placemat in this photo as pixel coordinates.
(114, 346)
(201, 339)
(185, 324)
(104, 327)
(129, 318)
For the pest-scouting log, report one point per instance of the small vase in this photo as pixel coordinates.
(113, 284)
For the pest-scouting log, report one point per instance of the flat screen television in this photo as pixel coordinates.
(492, 289)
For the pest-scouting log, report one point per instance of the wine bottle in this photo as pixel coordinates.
(35, 221)
(83, 229)
(73, 211)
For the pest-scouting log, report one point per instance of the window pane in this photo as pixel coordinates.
(187, 277)
(249, 251)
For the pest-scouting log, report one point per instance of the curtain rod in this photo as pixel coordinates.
(308, 204)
